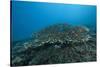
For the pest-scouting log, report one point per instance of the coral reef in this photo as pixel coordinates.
(59, 43)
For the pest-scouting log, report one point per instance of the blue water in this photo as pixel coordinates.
(28, 17)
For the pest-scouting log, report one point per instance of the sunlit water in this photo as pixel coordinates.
(28, 17)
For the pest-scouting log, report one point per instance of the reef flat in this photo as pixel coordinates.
(58, 43)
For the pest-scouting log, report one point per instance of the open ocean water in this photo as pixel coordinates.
(28, 17)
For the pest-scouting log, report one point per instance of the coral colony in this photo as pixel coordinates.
(58, 43)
